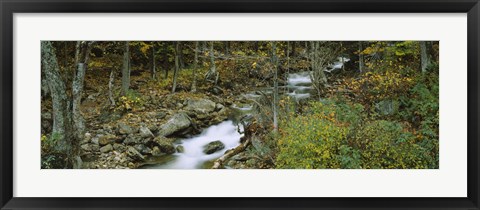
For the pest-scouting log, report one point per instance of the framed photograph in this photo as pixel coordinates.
(239, 104)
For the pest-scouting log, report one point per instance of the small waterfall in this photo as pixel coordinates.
(193, 155)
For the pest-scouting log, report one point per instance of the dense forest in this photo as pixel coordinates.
(240, 104)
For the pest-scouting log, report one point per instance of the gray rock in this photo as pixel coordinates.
(165, 145)
(213, 146)
(106, 139)
(106, 148)
(200, 106)
(180, 149)
(219, 107)
(119, 147)
(132, 140)
(134, 154)
(177, 123)
(144, 150)
(124, 128)
(145, 132)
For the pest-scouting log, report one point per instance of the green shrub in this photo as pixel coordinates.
(385, 144)
(316, 139)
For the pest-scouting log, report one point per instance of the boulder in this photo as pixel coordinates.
(134, 154)
(213, 146)
(165, 145)
(145, 132)
(106, 148)
(177, 123)
(200, 106)
(180, 149)
(106, 139)
(124, 128)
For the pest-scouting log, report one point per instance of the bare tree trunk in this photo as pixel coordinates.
(213, 71)
(77, 88)
(425, 59)
(110, 87)
(360, 57)
(275, 87)
(180, 56)
(195, 64)
(126, 69)
(154, 63)
(175, 72)
(62, 124)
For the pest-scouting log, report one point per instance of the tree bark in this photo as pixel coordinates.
(154, 63)
(275, 87)
(77, 87)
(213, 71)
(360, 57)
(425, 59)
(175, 72)
(126, 69)
(62, 124)
(195, 65)
(110, 87)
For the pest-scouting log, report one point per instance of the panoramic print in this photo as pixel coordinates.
(239, 104)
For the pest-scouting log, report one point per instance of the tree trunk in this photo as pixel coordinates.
(425, 59)
(175, 72)
(154, 63)
(126, 69)
(212, 73)
(275, 87)
(195, 64)
(180, 56)
(77, 88)
(293, 48)
(227, 47)
(360, 57)
(62, 124)
(110, 87)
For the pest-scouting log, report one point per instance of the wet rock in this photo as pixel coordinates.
(156, 151)
(177, 123)
(124, 128)
(213, 146)
(106, 139)
(200, 106)
(106, 148)
(145, 132)
(180, 149)
(165, 145)
(134, 154)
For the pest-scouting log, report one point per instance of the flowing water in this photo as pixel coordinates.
(193, 156)
(298, 86)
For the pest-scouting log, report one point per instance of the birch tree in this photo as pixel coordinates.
(195, 66)
(424, 56)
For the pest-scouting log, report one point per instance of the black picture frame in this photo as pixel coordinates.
(9, 7)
